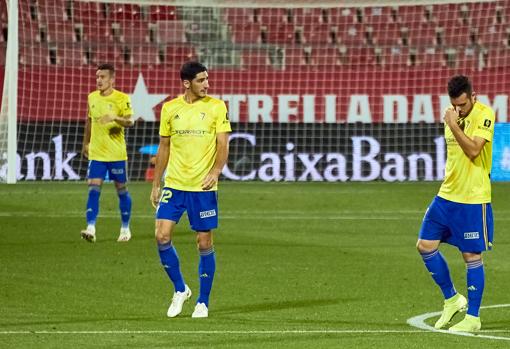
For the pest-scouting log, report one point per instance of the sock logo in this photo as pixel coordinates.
(204, 275)
(471, 288)
(472, 235)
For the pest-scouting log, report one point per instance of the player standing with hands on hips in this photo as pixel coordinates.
(193, 148)
(461, 213)
(109, 112)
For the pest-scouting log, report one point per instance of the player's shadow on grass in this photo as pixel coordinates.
(282, 305)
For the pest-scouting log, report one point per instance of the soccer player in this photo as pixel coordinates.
(461, 213)
(109, 112)
(193, 148)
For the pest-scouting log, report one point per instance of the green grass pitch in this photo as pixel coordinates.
(300, 265)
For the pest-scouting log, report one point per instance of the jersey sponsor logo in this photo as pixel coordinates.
(487, 123)
(472, 235)
(206, 214)
(190, 132)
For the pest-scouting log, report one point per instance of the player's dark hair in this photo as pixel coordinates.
(107, 66)
(458, 85)
(189, 70)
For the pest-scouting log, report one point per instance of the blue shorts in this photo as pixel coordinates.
(202, 207)
(116, 170)
(470, 227)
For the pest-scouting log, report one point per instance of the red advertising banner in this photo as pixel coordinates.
(268, 96)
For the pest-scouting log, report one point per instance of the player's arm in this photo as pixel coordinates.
(124, 121)
(161, 162)
(221, 159)
(86, 138)
(471, 147)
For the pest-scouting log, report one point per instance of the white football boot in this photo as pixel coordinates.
(89, 234)
(125, 235)
(177, 301)
(200, 311)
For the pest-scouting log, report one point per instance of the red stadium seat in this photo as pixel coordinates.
(411, 15)
(29, 33)
(378, 16)
(342, 15)
(499, 58)
(61, 32)
(467, 61)
(351, 35)
(34, 55)
(271, 16)
(307, 16)
(170, 32)
(97, 32)
(396, 58)
(255, 59)
(458, 35)
(3, 12)
(124, 12)
(70, 55)
(51, 11)
(294, 57)
(88, 12)
(384, 34)
(249, 33)
(446, 15)
(431, 58)
(107, 54)
(317, 33)
(162, 13)
(176, 55)
(494, 35)
(3, 51)
(279, 33)
(144, 55)
(322, 56)
(135, 33)
(361, 57)
(237, 16)
(422, 35)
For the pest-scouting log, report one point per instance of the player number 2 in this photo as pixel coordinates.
(165, 196)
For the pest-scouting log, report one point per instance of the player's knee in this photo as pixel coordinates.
(204, 241)
(471, 257)
(94, 188)
(162, 237)
(426, 246)
(121, 188)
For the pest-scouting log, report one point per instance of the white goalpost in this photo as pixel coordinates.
(316, 91)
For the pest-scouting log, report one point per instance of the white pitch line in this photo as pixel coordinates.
(419, 322)
(246, 332)
(219, 332)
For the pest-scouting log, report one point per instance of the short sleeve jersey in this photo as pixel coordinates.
(468, 181)
(192, 129)
(107, 141)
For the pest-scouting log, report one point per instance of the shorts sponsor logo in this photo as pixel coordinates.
(206, 214)
(472, 235)
(117, 170)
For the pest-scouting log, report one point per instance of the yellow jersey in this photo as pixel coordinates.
(192, 129)
(107, 141)
(468, 181)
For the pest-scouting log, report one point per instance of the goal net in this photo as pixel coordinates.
(315, 92)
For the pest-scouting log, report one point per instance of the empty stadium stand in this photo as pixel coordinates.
(71, 33)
